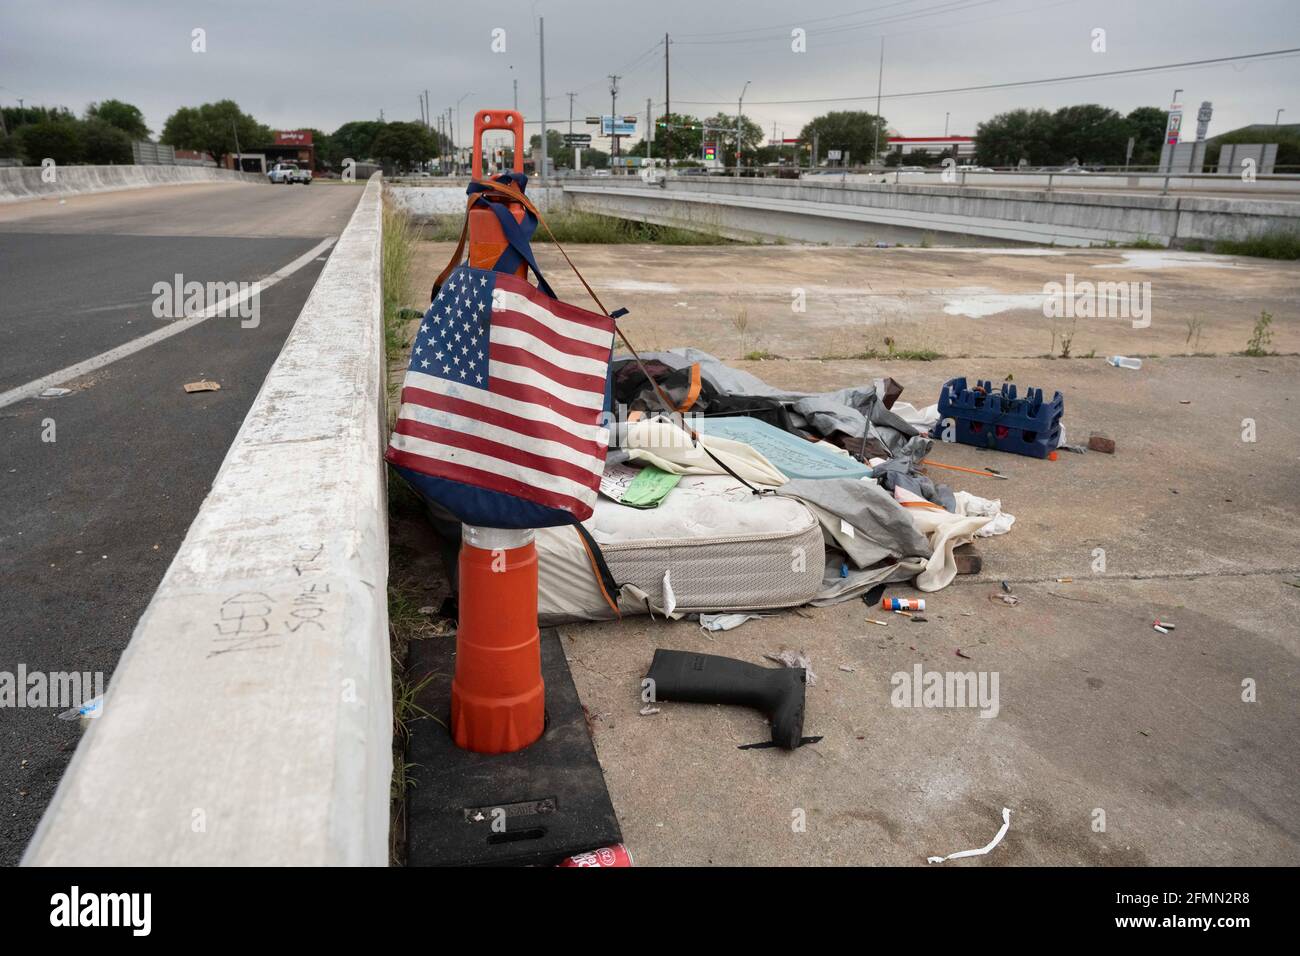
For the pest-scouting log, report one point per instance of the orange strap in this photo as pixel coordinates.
(693, 392)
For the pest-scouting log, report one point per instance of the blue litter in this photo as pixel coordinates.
(987, 419)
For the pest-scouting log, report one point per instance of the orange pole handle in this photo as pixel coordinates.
(509, 120)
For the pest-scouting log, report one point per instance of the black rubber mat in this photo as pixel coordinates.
(548, 800)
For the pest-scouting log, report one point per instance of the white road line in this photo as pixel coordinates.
(226, 306)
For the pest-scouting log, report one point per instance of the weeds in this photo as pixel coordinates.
(587, 227)
(1277, 244)
(397, 248)
(1261, 337)
(1194, 328)
(740, 322)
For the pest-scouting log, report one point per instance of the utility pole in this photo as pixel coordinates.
(613, 119)
(541, 41)
(516, 94)
(945, 125)
(649, 130)
(668, 112)
(880, 80)
(740, 123)
(570, 96)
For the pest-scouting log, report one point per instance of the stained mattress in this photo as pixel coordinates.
(721, 547)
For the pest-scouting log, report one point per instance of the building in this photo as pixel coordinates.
(964, 146)
(292, 146)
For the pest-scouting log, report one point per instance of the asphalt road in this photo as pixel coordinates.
(90, 520)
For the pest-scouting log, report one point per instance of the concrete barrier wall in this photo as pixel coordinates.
(1073, 181)
(24, 182)
(440, 198)
(249, 721)
(809, 211)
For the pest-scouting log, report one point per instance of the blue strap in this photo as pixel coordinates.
(519, 250)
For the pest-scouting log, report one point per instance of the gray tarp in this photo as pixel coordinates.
(854, 412)
(880, 543)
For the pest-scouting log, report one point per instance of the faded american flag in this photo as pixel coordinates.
(505, 391)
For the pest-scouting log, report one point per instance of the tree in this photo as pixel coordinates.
(593, 158)
(56, 139)
(1008, 138)
(353, 140)
(854, 131)
(1146, 125)
(124, 116)
(105, 144)
(722, 129)
(1287, 137)
(556, 151)
(1088, 133)
(684, 139)
(404, 144)
(217, 128)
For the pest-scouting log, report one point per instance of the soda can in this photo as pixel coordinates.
(902, 604)
(616, 855)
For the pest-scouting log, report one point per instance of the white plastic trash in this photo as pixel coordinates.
(1123, 361)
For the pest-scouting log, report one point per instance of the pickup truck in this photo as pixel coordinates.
(289, 173)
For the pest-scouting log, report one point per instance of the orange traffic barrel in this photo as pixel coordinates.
(498, 700)
(486, 240)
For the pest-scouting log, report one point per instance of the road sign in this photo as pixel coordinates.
(1175, 124)
(1203, 116)
(593, 120)
(625, 125)
(577, 139)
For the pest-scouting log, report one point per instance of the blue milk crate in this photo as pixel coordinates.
(1000, 420)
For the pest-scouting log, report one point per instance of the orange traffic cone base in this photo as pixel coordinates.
(498, 698)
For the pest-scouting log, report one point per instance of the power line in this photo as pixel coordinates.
(949, 7)
(786, 26)
(1016, 83)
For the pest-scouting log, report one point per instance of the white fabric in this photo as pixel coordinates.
(968, 504)
(945, 531)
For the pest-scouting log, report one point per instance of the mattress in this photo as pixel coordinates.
(721, 547)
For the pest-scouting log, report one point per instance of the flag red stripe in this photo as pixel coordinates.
(478, 478)
(526, 323)
(493, 416)
(513, 355)
(484, 446)
(530, 393)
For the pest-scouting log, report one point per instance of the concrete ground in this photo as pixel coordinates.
(736, 300)
(99, 486)
(1112, 743)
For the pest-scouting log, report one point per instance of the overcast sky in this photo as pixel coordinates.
(321, 63)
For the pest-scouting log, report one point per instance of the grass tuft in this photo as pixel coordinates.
(1277, 244)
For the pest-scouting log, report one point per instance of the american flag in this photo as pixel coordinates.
(505, 391)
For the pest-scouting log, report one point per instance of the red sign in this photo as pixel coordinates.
(293, 137)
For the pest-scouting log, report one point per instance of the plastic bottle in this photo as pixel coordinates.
(1123, 361)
